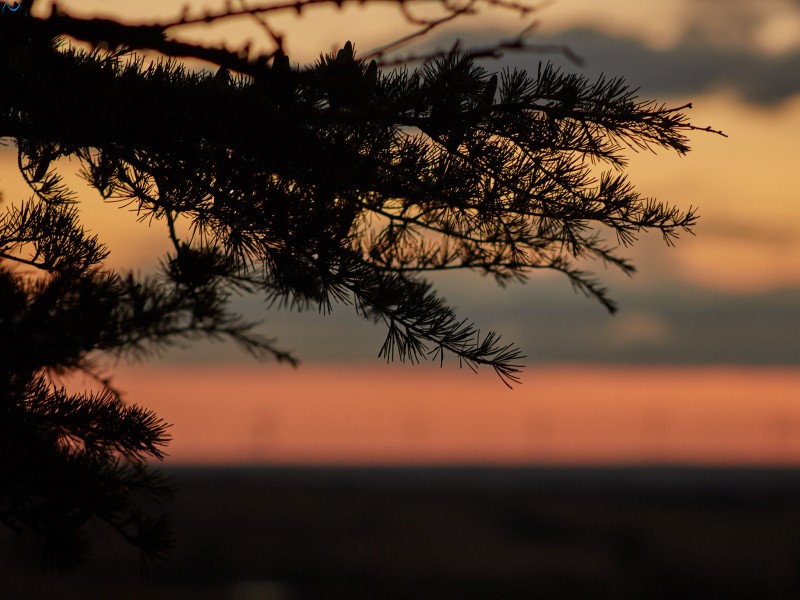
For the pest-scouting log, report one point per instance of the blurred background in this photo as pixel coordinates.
(646, 454)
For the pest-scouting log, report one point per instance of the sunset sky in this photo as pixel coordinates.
(699, 366)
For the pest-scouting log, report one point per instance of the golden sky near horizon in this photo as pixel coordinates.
(562, 415)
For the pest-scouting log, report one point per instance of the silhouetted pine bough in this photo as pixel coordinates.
(336, 183)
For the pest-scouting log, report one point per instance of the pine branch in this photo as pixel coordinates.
(338, 182)
(59, 458)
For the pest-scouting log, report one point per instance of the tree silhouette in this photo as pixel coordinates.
(340, 182)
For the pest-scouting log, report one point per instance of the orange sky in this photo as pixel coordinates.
(400, 414)
(748, 240)
(739, 185)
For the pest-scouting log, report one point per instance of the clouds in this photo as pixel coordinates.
(670, 323)
(675, 52)
(769, 27)
(682, 325)
(679, 48)
(682, 71)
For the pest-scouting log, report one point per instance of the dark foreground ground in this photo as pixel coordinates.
(261, 534)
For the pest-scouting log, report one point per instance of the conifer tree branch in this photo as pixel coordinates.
(337, 182)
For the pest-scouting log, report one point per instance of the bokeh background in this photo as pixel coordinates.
(698, 366)
(698, 369)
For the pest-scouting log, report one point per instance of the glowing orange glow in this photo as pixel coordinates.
(748, 237)
(748, 240)
(418, 415)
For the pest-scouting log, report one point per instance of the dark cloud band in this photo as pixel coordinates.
(689, 68)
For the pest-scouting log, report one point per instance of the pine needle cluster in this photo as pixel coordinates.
(339, 182)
